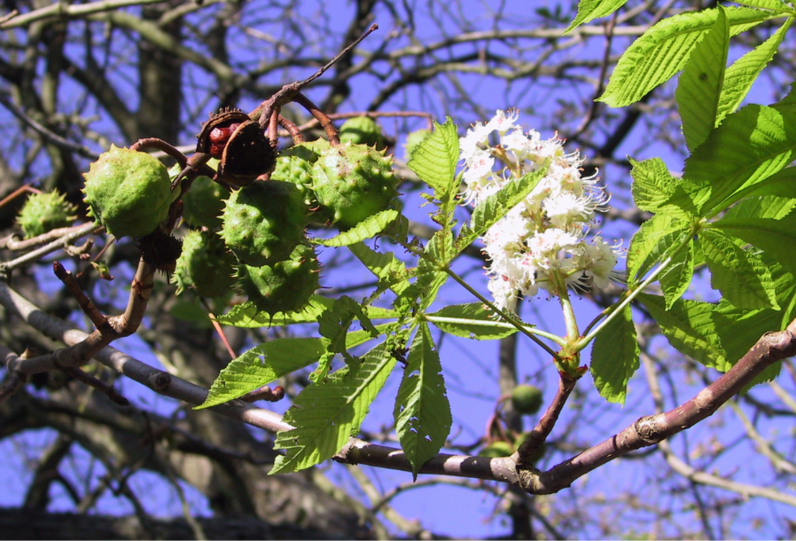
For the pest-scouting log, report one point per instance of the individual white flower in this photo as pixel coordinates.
(503, 121)
(567, 209)
(474, 140)
(503, 292)
(602, 258)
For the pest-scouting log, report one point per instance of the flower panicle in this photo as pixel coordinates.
(546, 234)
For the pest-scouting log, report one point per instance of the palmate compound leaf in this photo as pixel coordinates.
(325, 415)
(700, 84)
(614, 357)
(588, 10)
(366, 229)
(422, 411)
(664, 49)
(270, 361)
(470, 321)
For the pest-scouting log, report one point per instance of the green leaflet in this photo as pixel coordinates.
(740, 76)
(279, 357)
(614, 357)
(495, 207)
(676, 277)
(690, 329)
(776, 237)
(470, 321)
(366, 229)
(741, 276)
(435, 158)
(700, 83)
(766, 206)
(325, 415)
(588, 10)
(654, 239)
(391, 273)
(248, 372)
(749, 146)
(655, 189)
(664, 49)
(246, 316)
(777, 185)
(422, 413)
(774, 5)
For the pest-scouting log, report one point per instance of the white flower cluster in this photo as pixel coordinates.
(542, 241)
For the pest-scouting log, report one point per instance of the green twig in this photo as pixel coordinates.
(501, 313)
(494, 324)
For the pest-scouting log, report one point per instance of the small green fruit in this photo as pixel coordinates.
(43, 212)
(526, 399)
(128, 192)
(496, 449)
(205, 266)
(362, 130)
(264, 222)
(353, 182)
(284, 287)
(414, 139)
(204, 203)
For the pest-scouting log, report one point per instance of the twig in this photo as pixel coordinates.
(57, 244)
(566, 384)
(88, 307)
(49, 135)
(645, 432)
(16, 193)
(62, 10)
(161, 382)
(97, 384)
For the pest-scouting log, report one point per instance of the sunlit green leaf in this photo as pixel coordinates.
(689, 327)
(588, 10)
(664, 49)
(422, 412)
(366, 229)
(614, 357)
(326, 414)
(700, 83)
(261, 365)
(740, 76)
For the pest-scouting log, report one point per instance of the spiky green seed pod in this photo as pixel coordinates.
(43, 212)
(204, 203)
(264, 222)
(413, 140)
(283, 287)
(128, 192)
(353, 182)
(205, 266)
(526, 399)
(362, 130)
